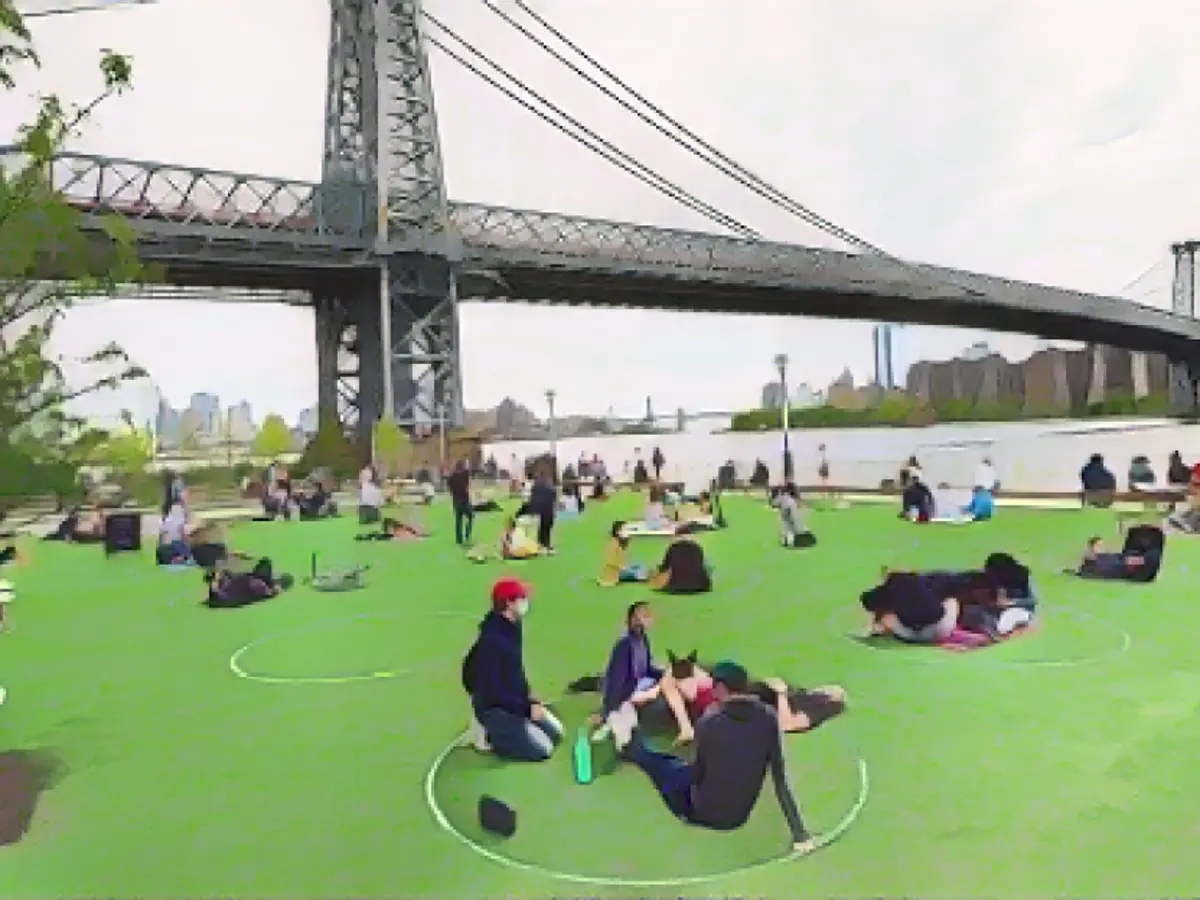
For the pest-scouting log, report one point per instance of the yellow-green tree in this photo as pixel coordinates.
(126, 451)
(49, 256)
(274, 438)
(393, 447)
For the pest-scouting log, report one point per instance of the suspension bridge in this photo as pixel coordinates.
(385, 258)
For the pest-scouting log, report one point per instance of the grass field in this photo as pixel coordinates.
(1060, 763)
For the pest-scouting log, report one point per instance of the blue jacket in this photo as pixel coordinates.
(620, 681)
(981, 507)
(494, 670)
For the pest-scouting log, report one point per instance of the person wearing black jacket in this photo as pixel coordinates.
(459, 485)
(736, 745)
(916, 501)
(543, 503)
(508, 719)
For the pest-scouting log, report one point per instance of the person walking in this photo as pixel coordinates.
(459, 485)
(658, 461)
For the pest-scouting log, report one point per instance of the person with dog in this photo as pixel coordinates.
(737, 744)
(508, 719)
(631, 679)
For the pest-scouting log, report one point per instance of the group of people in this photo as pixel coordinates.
(735, 724)
(991, 603)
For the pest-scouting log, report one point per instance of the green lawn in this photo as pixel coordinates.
(1058, 764)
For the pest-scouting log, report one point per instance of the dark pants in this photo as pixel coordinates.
(464, 522)
(545, 527)
(670, 775)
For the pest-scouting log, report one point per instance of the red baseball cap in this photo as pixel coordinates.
(508, 590)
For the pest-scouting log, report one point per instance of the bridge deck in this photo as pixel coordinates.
(256, 227)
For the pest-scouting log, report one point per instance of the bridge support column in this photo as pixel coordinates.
(350, 361)
(424, 341)
(1183, 303)
(1098, 381)
(1139, 368)
(329, 319)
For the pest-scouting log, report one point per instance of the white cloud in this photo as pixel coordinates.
(1048, 141)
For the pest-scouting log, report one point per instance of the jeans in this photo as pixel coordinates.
(464, 522)
(515, 737)
(545, 527)
(670, 775)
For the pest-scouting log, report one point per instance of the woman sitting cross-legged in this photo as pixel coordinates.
(682, 570)
(616, 568)
(515, 543)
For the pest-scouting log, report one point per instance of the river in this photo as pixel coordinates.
(1032, 456)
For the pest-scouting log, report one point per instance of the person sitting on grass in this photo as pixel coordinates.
(982, 507)
(394, 530)
(233, 590)
(615, 568)
(655, 515)
(631, 680)
(173, 547)
(682, 570)
(79, 527)
(507, 719)
(916, 500)
(516, 544)
(907, 606)
(737, 744)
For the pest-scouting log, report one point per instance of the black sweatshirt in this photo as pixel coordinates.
(735, 746)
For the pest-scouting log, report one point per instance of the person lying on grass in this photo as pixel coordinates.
(1100, 562)
(615, 567)
(737, 744)
(233, 590)
(926, 607)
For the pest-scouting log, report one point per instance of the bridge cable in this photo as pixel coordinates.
(1144, 275)
(92, 7)
(674, 130)
(581, 134)
(739, 173)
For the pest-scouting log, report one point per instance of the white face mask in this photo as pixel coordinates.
(522, 608)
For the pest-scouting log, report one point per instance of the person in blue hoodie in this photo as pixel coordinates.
(982, 507)
(508, 719)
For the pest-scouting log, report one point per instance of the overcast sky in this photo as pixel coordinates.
(1049, 140)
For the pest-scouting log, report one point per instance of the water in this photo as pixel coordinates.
(1031, 456)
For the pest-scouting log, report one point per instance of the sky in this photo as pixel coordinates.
(1052, 142)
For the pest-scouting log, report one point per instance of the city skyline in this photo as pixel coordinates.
(1044, 197)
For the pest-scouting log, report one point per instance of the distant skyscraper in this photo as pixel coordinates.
(239, 424)
(772, 395)
(977, 351)
(804, 397)
(308, 420)
(208, 411)
(885, 364)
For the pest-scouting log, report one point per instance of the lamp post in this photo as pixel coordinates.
(550, 394)
(781, 363)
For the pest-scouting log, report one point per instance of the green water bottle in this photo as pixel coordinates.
(581, 758)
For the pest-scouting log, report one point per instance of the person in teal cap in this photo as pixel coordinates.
(737, 742)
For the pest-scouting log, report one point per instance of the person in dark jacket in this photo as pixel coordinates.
(631, 676)
(916, 501)
(658, 461)
(1178, 474)
(459, 485)
(737, 744)
(1095, 477)
(543, 503)
(508, 719)
(682, 570)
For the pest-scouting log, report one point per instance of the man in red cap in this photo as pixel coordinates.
(509, 720)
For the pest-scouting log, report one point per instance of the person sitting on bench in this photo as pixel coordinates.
(615, 568)
(1097, 483)
(682, 570)
(736, 746)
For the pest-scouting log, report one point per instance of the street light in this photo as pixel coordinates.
(781, 363)
(550, 394)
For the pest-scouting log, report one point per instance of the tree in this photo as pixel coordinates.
(127, 451)
(47, 261)
(331, 449)
(274, 438)
(393, 447)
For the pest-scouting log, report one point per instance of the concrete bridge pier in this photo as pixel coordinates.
(1139, 368)
(1098, 382)
(1183, 384)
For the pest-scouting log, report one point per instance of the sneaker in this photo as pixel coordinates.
(477, 737)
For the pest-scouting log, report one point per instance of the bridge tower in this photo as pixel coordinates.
(388, 343)
(1184, 373)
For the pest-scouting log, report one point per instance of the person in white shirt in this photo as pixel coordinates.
(173, 546)
(986, 476)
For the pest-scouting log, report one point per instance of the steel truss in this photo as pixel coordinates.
(1185, 374)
